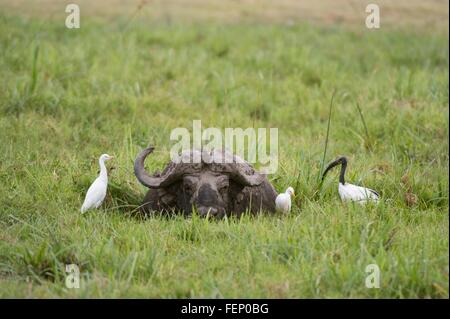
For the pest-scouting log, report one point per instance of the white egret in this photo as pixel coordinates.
(350, 192)
(283, 200)
(97, 191)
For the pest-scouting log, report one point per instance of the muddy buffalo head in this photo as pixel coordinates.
(215, 183)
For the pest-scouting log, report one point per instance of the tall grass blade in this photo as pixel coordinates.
(34, 71)
(363, 121)
(322, 165)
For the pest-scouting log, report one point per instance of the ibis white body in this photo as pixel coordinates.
(97, 191)
(283, 201)
(350, 192)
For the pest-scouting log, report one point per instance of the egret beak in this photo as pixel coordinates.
(293, 195)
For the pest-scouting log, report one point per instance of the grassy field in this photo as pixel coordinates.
(116, 85)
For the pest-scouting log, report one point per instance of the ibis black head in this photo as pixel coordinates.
(339, 161)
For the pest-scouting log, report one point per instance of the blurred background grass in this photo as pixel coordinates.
(429, 15)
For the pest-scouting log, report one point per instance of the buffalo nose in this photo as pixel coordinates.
(203, 211)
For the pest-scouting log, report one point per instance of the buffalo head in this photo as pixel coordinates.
(218, 183)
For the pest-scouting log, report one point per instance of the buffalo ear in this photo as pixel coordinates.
(236, 197)
(181, 199)
(163, 199)
(234, 189)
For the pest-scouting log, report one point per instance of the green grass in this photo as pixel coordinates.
(67, 96)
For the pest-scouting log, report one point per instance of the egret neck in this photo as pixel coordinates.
(103, 171)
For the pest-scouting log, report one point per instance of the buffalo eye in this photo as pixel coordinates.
(224, 191)
(223, 188)
(188, 188)
(189, 184)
